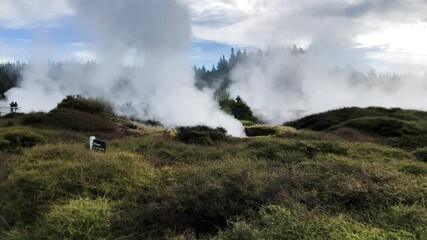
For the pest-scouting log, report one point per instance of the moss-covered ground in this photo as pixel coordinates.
(343, 183)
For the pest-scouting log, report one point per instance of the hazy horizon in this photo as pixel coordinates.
(166, 37)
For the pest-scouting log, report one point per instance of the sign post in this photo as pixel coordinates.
(97, 145)
(91, 138)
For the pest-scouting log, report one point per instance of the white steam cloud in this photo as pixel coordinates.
(156, 34)
(283, 85)
(278, 86)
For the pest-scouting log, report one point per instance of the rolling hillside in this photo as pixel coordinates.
(345, 174)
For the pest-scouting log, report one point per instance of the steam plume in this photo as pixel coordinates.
(281, 85)
(154, 32)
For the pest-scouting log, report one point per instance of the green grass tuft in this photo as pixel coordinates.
(201, 135)
(261, 130)
(77, 219)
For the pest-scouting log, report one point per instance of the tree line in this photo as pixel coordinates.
(10, 76)
(217, 77)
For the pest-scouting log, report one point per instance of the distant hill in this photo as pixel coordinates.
(396, 127)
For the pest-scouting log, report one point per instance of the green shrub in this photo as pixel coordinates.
(275, 222)
(406, 129)
(405, 116)
(248, 123)
(260, 130)
(292, 151)
(75, 120)
(153, 123)
(16, 139)
(414, 169)
(49, 175)
(201, 135)
(57, 152)
(330, 147)
(373, 152)
(412, 219)
(326, 120)
(343, 186)
(77, 219)
(421, 154)
(90, 105)
(407, 142)
(34, 118)
(12, 115)
(382, 126)
(352, 135)
(21, 201)
(196, 198)
(17, 233)
(238, 108)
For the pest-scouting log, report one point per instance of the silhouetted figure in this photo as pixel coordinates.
(12, 104)
(13, 107)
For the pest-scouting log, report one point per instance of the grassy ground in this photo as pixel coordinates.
(406, 129)
(294, 184)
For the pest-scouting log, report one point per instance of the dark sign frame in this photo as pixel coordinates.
(99, 145)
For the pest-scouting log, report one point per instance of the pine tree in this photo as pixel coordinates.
(232, 59)
(238, 56)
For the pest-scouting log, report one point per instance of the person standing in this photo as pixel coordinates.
(12, 104)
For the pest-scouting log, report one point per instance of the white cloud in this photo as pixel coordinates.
(408, 37)
(28, 13)
(259, 21)
(77, 44)
(83, 56)
(399, 25)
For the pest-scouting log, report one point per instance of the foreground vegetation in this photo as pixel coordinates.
(343, 183)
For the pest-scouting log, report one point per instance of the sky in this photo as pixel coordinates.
(388, 35)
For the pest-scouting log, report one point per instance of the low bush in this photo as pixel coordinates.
(353, 135)
(78, 219)
(238, 108)
(405, 116)
(201, 135)
(18, 233)
(87, 105)
(412, 219)
(34, 118)
(153, 123)
(421, 154)
(12, 115)
(198, 199)
(276, 222)
(17, 139)
(407, 142)
(75, 120)
(374, 152)
(247, 123)
(326, 120)
(292, 151)
(261, 130)
(53, 173)
(382, 126)
(343, 186)
(414, 169)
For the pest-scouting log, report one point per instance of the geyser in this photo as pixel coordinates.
(153, 34)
